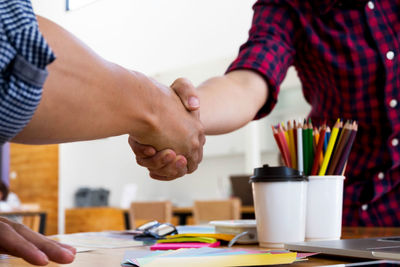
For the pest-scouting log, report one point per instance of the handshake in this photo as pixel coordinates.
(171, 144)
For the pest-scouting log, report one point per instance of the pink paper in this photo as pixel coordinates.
(168, 246)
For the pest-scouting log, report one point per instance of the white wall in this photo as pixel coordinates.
(156, 35)
(163, 39)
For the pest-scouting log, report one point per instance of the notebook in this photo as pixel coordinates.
(372, 248)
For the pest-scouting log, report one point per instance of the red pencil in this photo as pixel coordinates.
(277, 139)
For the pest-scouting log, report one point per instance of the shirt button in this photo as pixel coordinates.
(381, 175)
(393, 103)
(364, 207)
(371, 5)
(395, 142)
(390, 55)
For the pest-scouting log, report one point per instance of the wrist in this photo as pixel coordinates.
(141, 114)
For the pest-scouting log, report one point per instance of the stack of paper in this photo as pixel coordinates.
(207, 257)
(96, 240)
(192, 237)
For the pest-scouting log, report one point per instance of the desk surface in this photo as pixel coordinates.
(113, 257)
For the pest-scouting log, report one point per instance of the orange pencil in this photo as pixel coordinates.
(318, 151)
(315, 139)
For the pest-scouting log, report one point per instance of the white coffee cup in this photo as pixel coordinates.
(280, 205)
(324, 207)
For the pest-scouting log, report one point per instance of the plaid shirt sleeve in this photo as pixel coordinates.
(24, 55)
(269, 49)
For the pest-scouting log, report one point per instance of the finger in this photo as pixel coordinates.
(14, 244)
(54, 251)
(174, 170)
(140, 150)
(160, 178)
(70, 248)
(160, 160)
(187, 93)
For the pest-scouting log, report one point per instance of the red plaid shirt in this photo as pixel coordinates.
(347, 55)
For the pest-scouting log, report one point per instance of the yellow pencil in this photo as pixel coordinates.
(286, 133)
(292, 146)
(329, 149)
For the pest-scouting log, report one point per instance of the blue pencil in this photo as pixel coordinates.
(327, 136)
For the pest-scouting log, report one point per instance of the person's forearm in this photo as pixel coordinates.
(231, 101)
(85, 97)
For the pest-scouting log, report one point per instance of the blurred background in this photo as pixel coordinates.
(164, 40)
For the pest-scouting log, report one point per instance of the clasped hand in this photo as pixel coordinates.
(184, 151)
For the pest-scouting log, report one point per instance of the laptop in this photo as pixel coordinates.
(371, 248)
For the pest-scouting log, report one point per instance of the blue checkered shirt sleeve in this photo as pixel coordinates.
(24, 55)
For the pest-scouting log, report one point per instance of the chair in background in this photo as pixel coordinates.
(30, 215)
(205, 211)
(93, 219)
(33, 220)
(143, 212)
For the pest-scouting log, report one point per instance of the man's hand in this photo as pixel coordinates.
(18, 240)
(166, 164)
(177, 129)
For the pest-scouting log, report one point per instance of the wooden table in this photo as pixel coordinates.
(113, 257)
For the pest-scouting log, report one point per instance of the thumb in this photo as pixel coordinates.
(187, 93)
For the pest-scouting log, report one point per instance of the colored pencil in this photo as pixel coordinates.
(286, 154)
(318, 152)
(340, 168)
(305, 147)
(327, 136)
(285, 132)
(295, 137)
(315, 139)
(277, 140)
(291, 146)
(341, 144)
(310, 146)
(300, 147)
(329, 149)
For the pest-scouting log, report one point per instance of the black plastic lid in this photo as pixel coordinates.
(276, 174)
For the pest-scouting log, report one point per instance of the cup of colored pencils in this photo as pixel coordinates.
(320, 153)
(315, 150)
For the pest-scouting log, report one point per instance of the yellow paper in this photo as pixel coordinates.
(220, 261)
(202, 239)
(225, 237)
